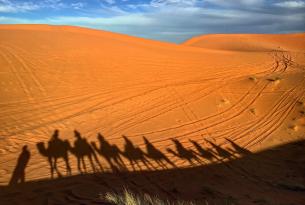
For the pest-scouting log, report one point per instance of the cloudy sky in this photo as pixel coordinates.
(165, 20)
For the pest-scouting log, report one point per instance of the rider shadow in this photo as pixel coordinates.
(222, 153)
(57, 148)
(184, 153)
(18, 175)
(153, 153)
(204, 153)
(110, 152)
(135, 155)
(238, 149)
(83, 149)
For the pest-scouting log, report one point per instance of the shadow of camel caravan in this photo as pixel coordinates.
(214, 182)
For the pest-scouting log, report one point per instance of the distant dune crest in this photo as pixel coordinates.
(249, 42)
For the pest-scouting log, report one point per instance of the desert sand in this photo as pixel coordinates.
(216, 117)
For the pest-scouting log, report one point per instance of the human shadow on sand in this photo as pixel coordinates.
(18, 175)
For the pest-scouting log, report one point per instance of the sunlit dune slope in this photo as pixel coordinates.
(70, 78)
(250, 42)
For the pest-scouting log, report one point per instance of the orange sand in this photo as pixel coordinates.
(247, 88)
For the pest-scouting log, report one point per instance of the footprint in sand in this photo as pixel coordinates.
(253, 78)
(274, 80)
(294, 128)
(253, 111)
(224, 102)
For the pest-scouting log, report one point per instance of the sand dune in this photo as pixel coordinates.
(250, 42)
(207, 90)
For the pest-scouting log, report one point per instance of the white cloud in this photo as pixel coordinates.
(126, 20)
(291, 4)
(236, 3)
(53, 4)
(78, 5)
(7, 6)
(158, 3)
(111, 2)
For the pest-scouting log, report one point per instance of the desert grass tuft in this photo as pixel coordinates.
(128, 198)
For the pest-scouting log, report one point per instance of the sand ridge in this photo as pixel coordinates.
(250, 42)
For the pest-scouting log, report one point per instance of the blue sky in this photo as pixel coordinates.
(165, 20)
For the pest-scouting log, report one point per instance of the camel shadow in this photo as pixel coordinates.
(204, 153)
(83, 149)
(110, 152)
(153, 153)
(220, 152)
(184, 153)
(18, 175)
(238, 149)
(135, 155)
(57, 148)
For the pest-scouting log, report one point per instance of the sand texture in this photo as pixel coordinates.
(85, 112)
